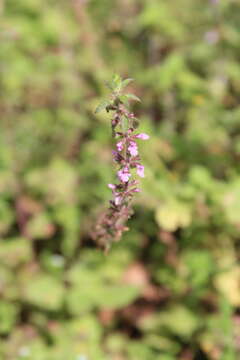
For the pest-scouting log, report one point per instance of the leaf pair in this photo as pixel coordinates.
(116, 84)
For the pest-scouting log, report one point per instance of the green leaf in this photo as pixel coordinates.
(68, 217)
(40, 226)
(173, 215)
(200, 266)
(115, 83)
(116, 296)
(137, 350)
(57, 181)
(15, 251)
(126, 82)
(8, 316)
(133, 97)
(43, 290)
(6, 216)
(110, 84)
(227, 283)
(180, 321)
(124, 99)
(103, 104)
(89, 289)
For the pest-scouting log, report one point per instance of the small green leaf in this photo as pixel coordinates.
(133, 97)
(110, 84)
(103, 104)
(117, 82)
(124, 99)
(126, 82)
(117, 79)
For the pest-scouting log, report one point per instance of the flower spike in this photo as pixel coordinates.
(111, 225)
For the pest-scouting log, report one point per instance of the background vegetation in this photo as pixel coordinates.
(170, 289)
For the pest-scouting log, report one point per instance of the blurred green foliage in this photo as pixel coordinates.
(171, 288)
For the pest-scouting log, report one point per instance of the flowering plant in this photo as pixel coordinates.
(124, 123)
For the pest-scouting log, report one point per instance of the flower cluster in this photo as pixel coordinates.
(128, 158)
(111, 225)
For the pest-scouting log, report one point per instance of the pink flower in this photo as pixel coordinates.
(112, 186)
(124, 174)
(142, 136)
(118, 199)
(140, 170)
(132, 148)
(136, 190)
(120, 145)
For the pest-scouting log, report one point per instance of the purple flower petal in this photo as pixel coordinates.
(117, 200)
(120, 145)
(124, 175)
(142, 136)
(132, 148)
(136, 190)
(140, 170)
(112, 186)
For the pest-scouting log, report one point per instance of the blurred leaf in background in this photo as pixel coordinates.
(170, 289)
